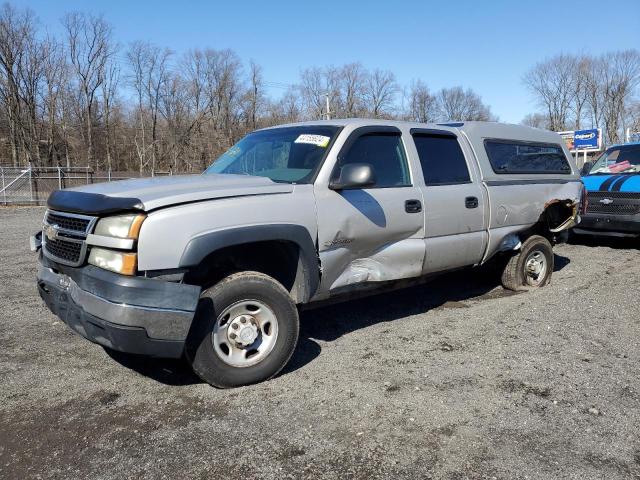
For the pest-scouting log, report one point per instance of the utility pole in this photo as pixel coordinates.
(328, 114)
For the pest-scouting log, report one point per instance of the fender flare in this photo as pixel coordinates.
(203, 245)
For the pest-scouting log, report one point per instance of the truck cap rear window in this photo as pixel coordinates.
(513, 156)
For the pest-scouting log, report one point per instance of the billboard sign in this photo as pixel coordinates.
(582, 140)
(587, 139)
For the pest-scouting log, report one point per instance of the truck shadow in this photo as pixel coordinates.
(167, 371)
(626, 243)
(329, 323)
(450, 290)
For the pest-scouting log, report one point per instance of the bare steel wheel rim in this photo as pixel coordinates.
(535, 268)
(245, 333)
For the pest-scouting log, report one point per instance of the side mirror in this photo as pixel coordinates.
(586, 168)
(354, 175)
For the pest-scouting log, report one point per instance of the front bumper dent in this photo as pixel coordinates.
(129, 314)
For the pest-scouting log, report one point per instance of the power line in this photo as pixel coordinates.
(282, 85)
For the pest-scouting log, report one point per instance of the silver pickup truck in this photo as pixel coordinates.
(215, 266)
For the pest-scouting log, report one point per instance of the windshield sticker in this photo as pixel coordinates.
(317, 140)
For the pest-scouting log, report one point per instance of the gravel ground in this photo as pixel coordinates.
(453, 379)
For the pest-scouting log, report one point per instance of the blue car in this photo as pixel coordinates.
(613, 192)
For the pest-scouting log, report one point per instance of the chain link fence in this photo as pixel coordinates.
(33, 185)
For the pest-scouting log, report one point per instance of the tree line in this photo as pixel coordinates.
(587, 91)
(80, 99)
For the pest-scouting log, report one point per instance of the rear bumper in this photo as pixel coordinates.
(129, 314)
(603, 223)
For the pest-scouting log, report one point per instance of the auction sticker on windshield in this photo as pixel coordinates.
(317, 140)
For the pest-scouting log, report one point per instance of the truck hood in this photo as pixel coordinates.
(617, 182)
(147, 194)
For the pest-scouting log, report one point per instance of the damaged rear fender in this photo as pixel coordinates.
(560, 215)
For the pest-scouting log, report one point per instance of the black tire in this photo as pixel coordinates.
(515, 276)
(241, 287)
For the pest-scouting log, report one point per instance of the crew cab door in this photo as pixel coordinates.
(454, 201)
(375, 233)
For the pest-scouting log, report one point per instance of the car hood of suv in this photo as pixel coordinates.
(147, 194)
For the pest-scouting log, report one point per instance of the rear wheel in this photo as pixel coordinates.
(244, 332)
(531, 267)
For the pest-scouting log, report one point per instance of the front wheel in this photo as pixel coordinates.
(245, 331)
(531, 267)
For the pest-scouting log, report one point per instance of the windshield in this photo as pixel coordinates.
(622, 159)
(289, 154)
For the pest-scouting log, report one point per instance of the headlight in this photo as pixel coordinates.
(121, 226)
(119, 262)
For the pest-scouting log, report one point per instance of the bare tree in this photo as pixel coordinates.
(156, 76)
(619, 80)
(553, 83)
(30, 75)
(69, 102)
(255, 95)
(423, 107)
(288, 109)
(313, 89)
(379, 93)
(109, 91)
(458, 104)
(581, 67)
(216, 97)
(194, 68)
(179, 122)
(89, 47)
(316, 84)
(353, 77)
(633, 117)
(593, 85)
(16, 32)
(136, 56)
(149, 73)
(536, 120)
(224, 89)
(55, 73)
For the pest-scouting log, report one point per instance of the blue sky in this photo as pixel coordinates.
(483, 45)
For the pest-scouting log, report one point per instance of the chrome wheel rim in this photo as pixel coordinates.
(535, 268)
(245, 333)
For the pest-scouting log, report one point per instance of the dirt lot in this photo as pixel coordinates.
(454, 379)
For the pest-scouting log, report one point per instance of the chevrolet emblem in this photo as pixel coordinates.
(51, 232)
(606, 201)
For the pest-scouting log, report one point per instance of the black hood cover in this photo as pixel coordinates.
(91, 203)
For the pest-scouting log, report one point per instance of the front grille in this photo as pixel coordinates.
(613, 203)
(64, 235)
(64, 250)
(66, 222)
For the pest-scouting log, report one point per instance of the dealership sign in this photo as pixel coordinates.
(587, 139)
(582, 140)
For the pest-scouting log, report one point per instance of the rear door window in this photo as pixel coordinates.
(509, 156)
(442, 160)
